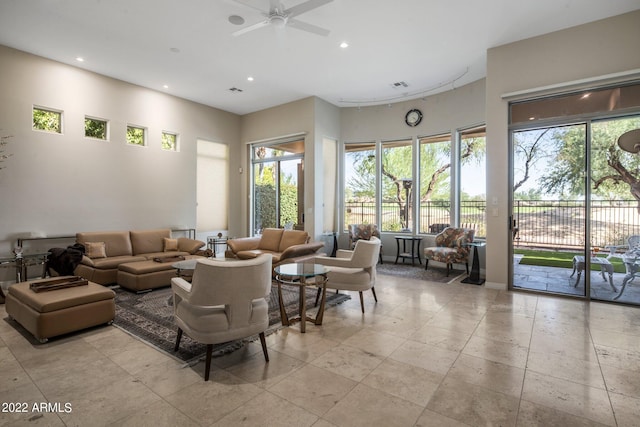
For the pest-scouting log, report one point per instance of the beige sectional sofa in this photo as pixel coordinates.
(285, 246)
(107, 250)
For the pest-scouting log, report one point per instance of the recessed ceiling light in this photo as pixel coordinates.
(174, 50)
(344, 45)
(165, 86)
(250, 78)
(79, 59)
(236, 20)
(585, 96)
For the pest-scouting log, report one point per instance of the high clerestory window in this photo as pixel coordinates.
(136, 135)
(47, 120)
(169, 141)
(96, 128)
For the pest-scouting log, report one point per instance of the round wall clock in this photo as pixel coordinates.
(413, 117)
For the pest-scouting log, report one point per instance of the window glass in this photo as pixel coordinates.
(169, 141)
(135, 135)
(435, 183)
(397, 185)
(473, 192)
(95, 128)
(360, 183)
(47, 120)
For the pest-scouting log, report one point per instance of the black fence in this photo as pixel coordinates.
(557, 224)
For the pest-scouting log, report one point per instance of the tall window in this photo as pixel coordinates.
(212, 186)
(47, 120)
(360, 183)
(278, 185)
(397, 185)
(435, 183)
(473, 191)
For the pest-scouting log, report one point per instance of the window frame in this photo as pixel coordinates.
(144, 135)
(59, 113)
(106, 128)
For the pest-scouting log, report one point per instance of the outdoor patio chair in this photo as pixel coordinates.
(450, 248)
(633, 242)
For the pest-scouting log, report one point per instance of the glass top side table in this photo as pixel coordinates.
(301, 275)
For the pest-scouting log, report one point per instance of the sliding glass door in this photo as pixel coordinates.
(549, 209)
(278, 186)
(575, 211)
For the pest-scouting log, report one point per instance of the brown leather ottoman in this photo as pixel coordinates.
(51, 313)
(142, 276)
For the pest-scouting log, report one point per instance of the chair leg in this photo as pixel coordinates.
(467, 264)
(381, 259)
(264, 346)
(448, 265)
(374, 293)
(207, 362)
(178, 338)
(361, 301)
(426, 264)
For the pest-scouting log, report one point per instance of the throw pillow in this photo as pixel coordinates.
(95, 249)
(189, 245)
(170, 244)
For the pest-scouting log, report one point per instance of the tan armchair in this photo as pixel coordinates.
(224, 302)
(354, 270)
(450, 247)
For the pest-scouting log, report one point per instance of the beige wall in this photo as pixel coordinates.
(584, 52)
(61, 184)
(312, 117)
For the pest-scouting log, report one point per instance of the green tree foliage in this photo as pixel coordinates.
(169, 141)
(266, 198)
(94, 128)
(135, 135)
(50, 121)
(615, 174)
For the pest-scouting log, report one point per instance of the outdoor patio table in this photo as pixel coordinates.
(605, 265)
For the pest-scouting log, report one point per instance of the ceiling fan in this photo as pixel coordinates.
(280, 17)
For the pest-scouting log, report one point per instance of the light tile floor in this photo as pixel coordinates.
(427, 354)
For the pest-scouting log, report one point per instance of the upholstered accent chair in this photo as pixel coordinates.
(450, 248)
(225, 301)
(363, 232)
(353, 270)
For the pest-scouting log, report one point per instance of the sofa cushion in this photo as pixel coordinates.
(147, 241)
(189, 245)
(270, 239)
(117, 243)
(110, 262)
(170, 244)
(292, 237)
(95, 249)
(250, 254)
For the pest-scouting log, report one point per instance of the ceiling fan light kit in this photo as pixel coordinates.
(280, 17)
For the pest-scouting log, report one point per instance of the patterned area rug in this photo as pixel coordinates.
(433, 274)
(149, 316)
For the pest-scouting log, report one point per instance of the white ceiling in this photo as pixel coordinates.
(426, 43)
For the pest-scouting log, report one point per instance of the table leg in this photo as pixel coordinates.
(397, 250)
(283, 313)
(609, 269)
(578, 278)
(320, 314)
(303, 305)
(413, 254)
(418, 253)
(474, 277)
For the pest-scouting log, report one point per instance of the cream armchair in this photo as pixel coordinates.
(225, 301)
(354, 270)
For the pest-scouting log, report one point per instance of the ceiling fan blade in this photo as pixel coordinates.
(305, 7)
(307, 27)
(250, 28)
